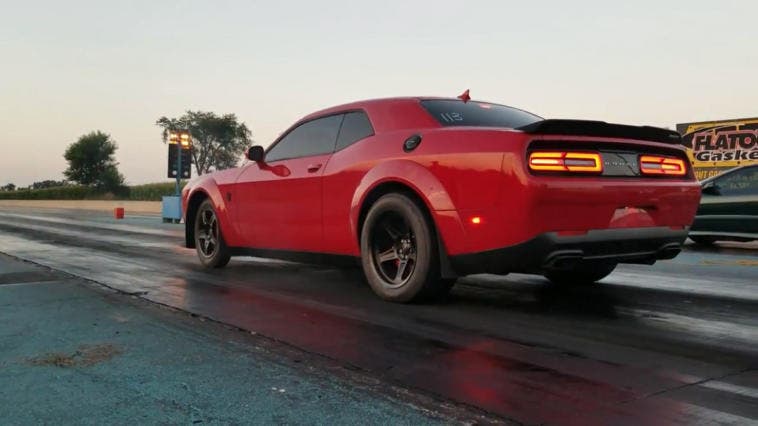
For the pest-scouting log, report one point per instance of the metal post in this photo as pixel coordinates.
(178, 165)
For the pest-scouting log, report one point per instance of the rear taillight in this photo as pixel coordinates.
(557, 161)
(656, 165)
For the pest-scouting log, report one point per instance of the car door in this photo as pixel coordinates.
(340, 182)
(730, 203)
(279, 201)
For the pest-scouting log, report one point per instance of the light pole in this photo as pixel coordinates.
(179, 167)
(183, 141)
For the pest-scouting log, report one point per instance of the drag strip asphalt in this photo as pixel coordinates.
(75, 352)
(675, 343)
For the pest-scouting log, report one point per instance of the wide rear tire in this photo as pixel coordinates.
(582, 274)
(703, 241)
(399, 251)
(209, 243)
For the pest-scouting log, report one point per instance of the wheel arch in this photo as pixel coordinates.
(386, 185)
(398, 175)
(382, 189)
(193, 204)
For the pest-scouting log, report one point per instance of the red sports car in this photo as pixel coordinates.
(423, 190)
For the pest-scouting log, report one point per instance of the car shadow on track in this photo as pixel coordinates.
(347, 287)
(537, 295)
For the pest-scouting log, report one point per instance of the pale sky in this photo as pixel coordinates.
(71, 67)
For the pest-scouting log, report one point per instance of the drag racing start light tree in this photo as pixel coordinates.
(179, 156)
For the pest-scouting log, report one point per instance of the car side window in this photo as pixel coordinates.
(315, 137)
(355, 126)
(741, 182)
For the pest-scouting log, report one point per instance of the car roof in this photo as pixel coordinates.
(394, 113)
(385, 114)
(368, 103)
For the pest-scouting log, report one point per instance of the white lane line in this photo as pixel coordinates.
(55, 281)
(94, 224)
(655, 280)
(698, 258)
(745, 334)
(651, 279)
(731, 388)
(93, 235)
(699, 415)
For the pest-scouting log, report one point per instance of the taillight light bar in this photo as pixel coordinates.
(561, 161)
(657, 165)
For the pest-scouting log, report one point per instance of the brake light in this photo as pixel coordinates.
(655, 165)
(587, 162)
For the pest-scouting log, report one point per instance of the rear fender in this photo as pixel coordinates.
(422, 182)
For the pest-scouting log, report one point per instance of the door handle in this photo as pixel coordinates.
(312, 168)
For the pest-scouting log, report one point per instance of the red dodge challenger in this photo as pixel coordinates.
(423, 190)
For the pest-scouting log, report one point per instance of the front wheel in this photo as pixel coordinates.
(581, 274)
(209, 242)
(399, 251)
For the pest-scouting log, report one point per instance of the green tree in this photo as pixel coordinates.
(8, 187)
(91, 162)
(218, 142)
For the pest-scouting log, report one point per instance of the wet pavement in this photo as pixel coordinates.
(675, 343)
(73, 352)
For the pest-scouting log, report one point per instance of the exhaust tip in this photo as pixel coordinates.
(669, 251)
(563, 260)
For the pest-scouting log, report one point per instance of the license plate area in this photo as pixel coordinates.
(620, 163)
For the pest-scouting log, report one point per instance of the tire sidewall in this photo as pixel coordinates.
(425, 248)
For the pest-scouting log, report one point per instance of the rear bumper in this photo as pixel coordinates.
(550, 251)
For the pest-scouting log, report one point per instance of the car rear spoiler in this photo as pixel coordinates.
(602, 129)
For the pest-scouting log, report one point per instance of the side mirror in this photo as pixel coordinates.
(711, 188)
(256, 153)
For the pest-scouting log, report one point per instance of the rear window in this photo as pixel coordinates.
(459, 113)
(355, 127)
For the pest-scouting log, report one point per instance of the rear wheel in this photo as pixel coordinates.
(209, 242)
(581, 274)
(704, 241)
(399, 251)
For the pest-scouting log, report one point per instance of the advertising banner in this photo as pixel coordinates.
(715, 146)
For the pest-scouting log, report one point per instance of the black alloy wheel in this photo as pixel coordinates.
(393, 248)
(399, 251)
(209, 242)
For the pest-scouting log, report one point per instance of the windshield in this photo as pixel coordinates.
(458, 113)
